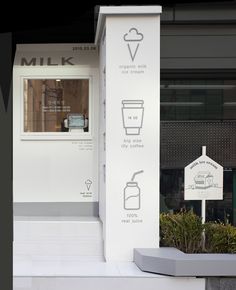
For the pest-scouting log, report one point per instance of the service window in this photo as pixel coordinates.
(56, 105)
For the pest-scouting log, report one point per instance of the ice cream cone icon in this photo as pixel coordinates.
(88, 184)
(133, 39)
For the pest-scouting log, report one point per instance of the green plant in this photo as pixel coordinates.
(220, 238)
(182, 230)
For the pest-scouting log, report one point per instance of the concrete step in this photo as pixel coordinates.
(68, 237)
(63, 275)
(67, 253)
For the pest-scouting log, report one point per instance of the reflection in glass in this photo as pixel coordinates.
(49, 102)
(198, 100)
(172, 197)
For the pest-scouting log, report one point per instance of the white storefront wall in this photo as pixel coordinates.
(124, 129)
(53, 167)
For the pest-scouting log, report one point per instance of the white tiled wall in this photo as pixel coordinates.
(70, 239)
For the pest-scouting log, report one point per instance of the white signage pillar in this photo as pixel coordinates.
(129, 40)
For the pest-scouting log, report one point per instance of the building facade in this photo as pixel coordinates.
(198, 100)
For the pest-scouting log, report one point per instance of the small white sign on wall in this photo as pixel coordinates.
(203, 179)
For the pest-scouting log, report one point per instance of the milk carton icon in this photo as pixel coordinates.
(132, 194)
(203, 180)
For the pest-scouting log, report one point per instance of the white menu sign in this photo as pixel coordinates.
(203, 179)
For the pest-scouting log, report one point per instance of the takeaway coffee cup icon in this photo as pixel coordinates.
(132, 114)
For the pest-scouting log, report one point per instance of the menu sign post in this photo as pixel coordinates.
(203, 180)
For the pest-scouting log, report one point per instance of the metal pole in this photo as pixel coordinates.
(203, 200)
(203, 211)
(203, 150)
(203, 222)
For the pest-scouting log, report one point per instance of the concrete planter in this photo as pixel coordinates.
(173, 262)
(220, 283)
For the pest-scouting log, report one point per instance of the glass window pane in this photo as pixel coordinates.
(221, 210)
(56, 105)
(172, 193)
(198, 100)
